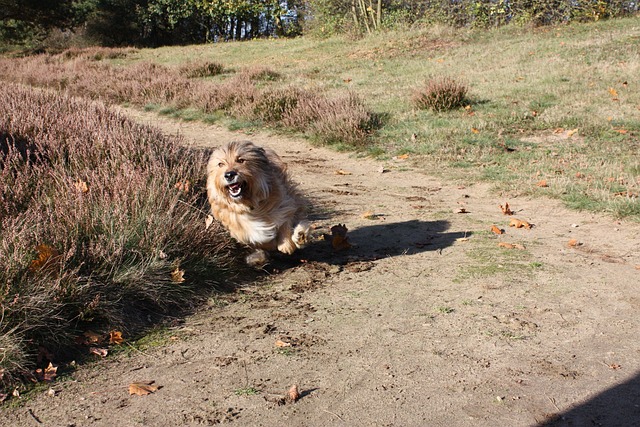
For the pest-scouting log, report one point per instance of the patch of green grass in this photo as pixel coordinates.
(246, 391)
(443, 309)
(157, 337)
(286, 351)
(487, 259)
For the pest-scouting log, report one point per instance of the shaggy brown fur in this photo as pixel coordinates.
(252, 195)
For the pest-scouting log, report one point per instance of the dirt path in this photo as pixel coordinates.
(424, 322)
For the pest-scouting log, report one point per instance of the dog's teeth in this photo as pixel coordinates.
(235, 190)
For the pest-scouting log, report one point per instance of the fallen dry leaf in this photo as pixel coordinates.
(474, 130)
(571, 132)
(142, 388)
(177, 275)
(81, 186)
(47, 259)
(496, 230)
(183, 186)
(280, 344)
(90, 337)
(614, 366)
(402, 157)
(518, 223)
(370, 215)
(342, 172)
(628, 194)
(47, 374)
(542, 183)
(460, 211)
(511, 246)
(573, 243)
(208, 221)
(102, 352)
(506, 210)
(614, 94)
(293, 394)
(339, 239)
(115, 337)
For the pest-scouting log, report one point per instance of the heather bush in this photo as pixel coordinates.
(440, 95)
(339, 120)
(96, 213)
(273, 104)
(206, 69)
(262, 74)
(249, 94)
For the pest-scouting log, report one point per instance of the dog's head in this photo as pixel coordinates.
(240, 172)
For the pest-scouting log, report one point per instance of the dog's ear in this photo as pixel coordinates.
(262, 188)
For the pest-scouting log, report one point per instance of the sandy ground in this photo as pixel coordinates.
(425, 321)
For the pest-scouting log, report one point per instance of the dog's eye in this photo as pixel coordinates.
(240, 160)
(220, 164)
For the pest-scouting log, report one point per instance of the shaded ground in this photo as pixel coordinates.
(425, 321)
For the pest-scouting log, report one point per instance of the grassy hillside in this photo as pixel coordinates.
(559, 104)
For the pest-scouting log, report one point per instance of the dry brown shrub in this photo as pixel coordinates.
(441, 94)
(233, 96)
(343, 119)
(246, 95)
(203, 69)
(261, 74)
(272, 105)
(103, 194)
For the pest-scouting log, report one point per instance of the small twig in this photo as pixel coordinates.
(554, 403)
(246, 373)
(193, 207)
(335, 415)
(34, 416)
(136, 349)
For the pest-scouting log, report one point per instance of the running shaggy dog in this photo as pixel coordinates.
(252, 195)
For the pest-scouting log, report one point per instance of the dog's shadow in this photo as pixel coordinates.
(376, 241)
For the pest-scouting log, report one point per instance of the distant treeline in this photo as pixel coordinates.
(164, 22)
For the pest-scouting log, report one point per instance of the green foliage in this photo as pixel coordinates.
(339, 16)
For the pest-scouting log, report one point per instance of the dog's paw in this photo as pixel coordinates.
(257, 258)
(300, 235)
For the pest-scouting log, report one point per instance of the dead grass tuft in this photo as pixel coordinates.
(199, 70)
(442, 94)
(246, 95)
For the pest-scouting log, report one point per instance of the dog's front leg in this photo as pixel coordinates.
(285, 244)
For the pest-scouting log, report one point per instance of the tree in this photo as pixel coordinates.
(46, 14)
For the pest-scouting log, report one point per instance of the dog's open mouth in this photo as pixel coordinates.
(235, 190)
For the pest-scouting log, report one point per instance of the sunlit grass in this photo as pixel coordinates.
(528, 88)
